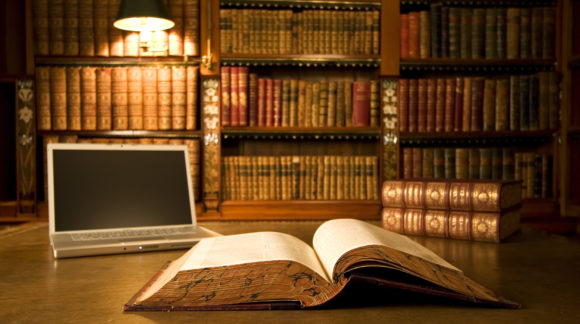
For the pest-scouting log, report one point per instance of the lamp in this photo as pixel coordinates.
(143, 16)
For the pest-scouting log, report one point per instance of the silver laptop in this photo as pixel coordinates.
(107, 199)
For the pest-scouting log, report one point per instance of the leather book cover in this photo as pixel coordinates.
(461, 163)
(103, 82)
(444, 32)
(440, 105)
(119, 99)
(489, 98)
(490, 33)
(435, 29)
(150, 100)
(413, 43)
(501, 104)
(243, 72)
(478, 34)
(361, 103)
(450, 87)
(175, 10)
(424, 34)
(525, 32)
(431, 104)
(422, 105)
(191, 27)
(89, 98)
(164, 97)
(549, 32)
(323, 103)
(44, 119)
(466, 106)
(514, 103)
(544, 101)
(477, 89)
(513, 33)
(465, 22)
(191, 100)
(58, 97)
(536, 32)
(458, 109)
(403, 97)
(534, 104)
(331, 110)
(73, 98)
(454, 32)
(501, 22)
(178, 97)
(261, 115)
(234, 96)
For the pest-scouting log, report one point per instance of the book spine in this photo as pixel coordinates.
(466, 111)
(361, 103)
(474, 163)
(277, 103)
(454, 32)
(120, 99)
(501, 23)
(525, 32)
(150, 99)
(322, 115)
(422, 105)
(513, 33)
(41, 29)
(417, 163)
(164, 97)
(465, 32)
(490, 33)
(243, 72)
(439, 162)
(449, 162)
(88, 98)
(191, 100)
(135, 93)
(253, 99)
(508, 164)
(403, 98)
(73, 98)
(548, 32)
(178, 97)
(496, 163)
(58, 98)
(234, 96)
(424, 34)
(285, 107)
(536, 32)
(534, 105)
(440, 105)
(544, 101)
(427, 162)
(477, 90)
(413, 105)
(478, 34)
(191, 28)
(458, 109)
(435, 29)
(450, 86)
(56, 26)
(484, 163)
(71, 27)
(261, 102)
(489, 98)
(175, 9)
(101, 28)
(431, 105)
(103, 82)
(501, 104)
(461, 163)
(413, 43)
(524, 102)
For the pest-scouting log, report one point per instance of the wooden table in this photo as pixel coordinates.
(538, 270)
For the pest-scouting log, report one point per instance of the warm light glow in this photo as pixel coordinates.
(143, 24)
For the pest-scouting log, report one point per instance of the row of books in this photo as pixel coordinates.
(85, 28)
(193, 146)
(263, 31)
(326, 177)
(467, 104)
(471, 210)
(478, 33)
(118, 98)
(483, 163)
(250, 100)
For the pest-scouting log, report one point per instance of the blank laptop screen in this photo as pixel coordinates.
(100, 189)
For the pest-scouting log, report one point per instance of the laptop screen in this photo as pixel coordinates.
(101, 189)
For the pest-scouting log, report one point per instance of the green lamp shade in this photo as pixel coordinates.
(143, 15)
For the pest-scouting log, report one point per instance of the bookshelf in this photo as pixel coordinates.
(231, 34)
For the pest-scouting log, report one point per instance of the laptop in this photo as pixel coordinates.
(117, 198)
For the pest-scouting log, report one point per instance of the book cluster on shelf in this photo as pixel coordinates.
(264, 31)
(250, 100)
(478, 33)
(471, 210)
(193, 146)
(85, 28)
(483, 163)
(467, 104)
(325, 177)
(78, 98)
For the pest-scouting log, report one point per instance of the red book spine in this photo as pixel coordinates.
(361, 103)
(422, 106)
(404, 36)
(225, 90)
(243, 95)
(261, 102)
(413, 104)
(234, 91)
(440, 105)
(277, 103)
(403, 105)
(253, 99)
(449, 104)
(413, 34)
(269, 102)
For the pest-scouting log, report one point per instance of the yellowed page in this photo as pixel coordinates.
(336, 237)
(252, 247)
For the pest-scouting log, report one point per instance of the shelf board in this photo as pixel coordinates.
(574, 62)
(482, 3)
(116, 60)
(299, 210)
(126, 133)
(299, 133)
(299, 60)
(476, 65)
(302, 4)
(479, 138)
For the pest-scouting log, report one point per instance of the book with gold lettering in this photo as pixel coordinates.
(271, 270)
(453, 194)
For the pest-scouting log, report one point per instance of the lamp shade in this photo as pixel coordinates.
(143, 15)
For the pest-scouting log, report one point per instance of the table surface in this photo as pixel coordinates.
(540, 271)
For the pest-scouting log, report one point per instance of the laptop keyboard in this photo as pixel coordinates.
(131, 233)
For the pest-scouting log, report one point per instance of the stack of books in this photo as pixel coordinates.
(477, 210)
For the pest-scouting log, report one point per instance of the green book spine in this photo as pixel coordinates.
(449, 162)
(465, 32)
(485, 163)
(439, 162)
(478, 34)
(473, 158)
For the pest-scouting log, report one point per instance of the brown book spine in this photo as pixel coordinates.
(361, 103)
(427, 162)
(417, 156)
(414, 26)
(89, 98)
(474, 163)
(103, 81)
(164, 97)
(513, 33)
(276, 103)
(269, 103)
(424, 34)
(501, 23)
(234, 96)
(548, 32)
(315, 105)
(403, 113)
(175, 9)
(490, 33)
(404, 35)
(301, 114)
(438, 163)
(525, 33)
(489, 98)
(340, 104)
(150, 98)
(458, 110)
(453, 34)
(71, 27)
(119, 99)
(261, 102)
(413, 105)
(422, 105)
(225, 91)
(135, 92)
(130, 43)
(514, 102)
(449, 162)
(331, 111)
(323, 103)
(466, 109)
(101, 28)
(485, 163)
(58, 98)
(116, 46)
(73, 98)
(478, 33)
(407, 162)
(431, 105)
(450, 85)
(553, 101)
(56, 27)
(440, 105)
(243, 95)
(253, 99)
(536, 32)
(86, 28)
(285, 103)
(191, 100)
(477, 89)
(461, 163)
(178, 97)
(374, 114)
(308, 104)
(41, 29)
(191, 27)
(496, 163)
(501, 104)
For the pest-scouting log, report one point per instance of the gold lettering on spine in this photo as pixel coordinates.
(459, 225)
(485, 197)
(459, 196)
(435, 223)
(414, 195)
(435, 196)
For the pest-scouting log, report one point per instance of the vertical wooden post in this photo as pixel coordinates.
(25, 148)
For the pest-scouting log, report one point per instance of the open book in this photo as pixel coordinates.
(267, 270)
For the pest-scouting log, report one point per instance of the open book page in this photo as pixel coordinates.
(336, 237)
(249, 248)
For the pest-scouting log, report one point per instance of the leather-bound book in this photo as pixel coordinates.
(403, 98)
(501, 22)
(103, 81)
(253, 99)
(175, 10)
(58, 97)
(300, 114)
(421, 105)
(465, 22)
(514, 108)
(485, 163)
(450, 87)
(477, 89)
(150, 98)
(449, 162)
(116, 46)
(315, 105)
(135, 92)
(348, 103)
(191, 27)
(414, 32)
(490, 33)
(40, 25)
(474, 163)
(427, 162)
(450, 224)
(478, 34)
(87, 28)
(374, 114)
(502, 100)
(243, 72)
(407, 162)
(225, 95)
(56, 27)
(524, 102)
(534, 104)
(308, 104)
(119, 98)
(164, 97)
(130, 43)
(525, 33)
(323, 103)
(431, 104)
(536, 32)
(340, 104)
(461, 163)
(435, 29)
(191, 100)
(261, 117)
(466, 106)
(234, 96)
(440, 105)
(424, 34)
(178, 97)
(458, 109)
(361, 103)
(88, 98)
(496, 163)
(508, 164)
(444, 32)
(101, 28)
(454, 32)
(276, 103)
(489, 98)
(285, 107)
(73, 98)
(513, 33)
(331, 111)
(548, 32)
(413, 105)
(417, 156)
(71, 27)
(438, 162)
(452, 194)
